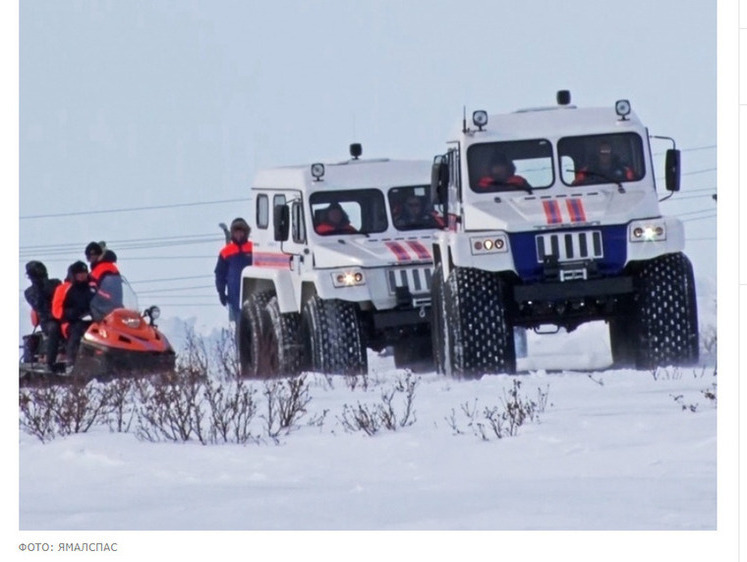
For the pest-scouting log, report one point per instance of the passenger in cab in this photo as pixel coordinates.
(335, 221)
(413, 214)
(502, 176)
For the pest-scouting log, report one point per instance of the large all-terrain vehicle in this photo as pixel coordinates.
(342, 263)
(119, 342)
(553, 221)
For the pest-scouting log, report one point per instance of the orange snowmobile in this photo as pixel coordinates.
(120, 341)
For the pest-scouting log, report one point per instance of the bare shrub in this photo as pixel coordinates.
(170, 407)
(121, 408)
(499, 421)
(79, 407)
(370, 418)
(231, 411)
(226, 356)
(37, 411)
(286, 405)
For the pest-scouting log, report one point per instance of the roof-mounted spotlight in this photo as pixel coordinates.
(622, 108)
(563, 97)
(480, 118)
(356, 150)
(317, 171)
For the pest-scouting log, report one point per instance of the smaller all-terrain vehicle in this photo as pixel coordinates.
(119, 342)
(342, 264)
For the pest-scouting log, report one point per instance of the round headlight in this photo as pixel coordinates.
(637, 232)
(488, 244)
(154, 312)
(499, 244)
(478, 245)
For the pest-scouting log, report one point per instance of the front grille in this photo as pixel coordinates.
(570, 246)
(417, 280)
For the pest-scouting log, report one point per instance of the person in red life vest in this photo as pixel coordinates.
(604, 166)
(105, 279)
(502, 176)
(335, 221)
(71, 307)
(232, 260)
(39, 296)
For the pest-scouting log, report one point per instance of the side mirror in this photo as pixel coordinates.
(439, 180)
(281, 222)
(672, 169)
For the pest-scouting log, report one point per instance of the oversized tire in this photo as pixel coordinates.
(285, 351)
(480, 333)
(332, 337)
(414, 353)
(438, 314)
(666, 313)
(254, 336)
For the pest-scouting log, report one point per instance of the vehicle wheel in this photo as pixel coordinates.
(285, 352)
(414, 353)
(438, 313)
(480, 334)
(254, 335)
(666, 313)
(332, 337)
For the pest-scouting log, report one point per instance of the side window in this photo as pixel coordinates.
(298, 228)
(263, 211)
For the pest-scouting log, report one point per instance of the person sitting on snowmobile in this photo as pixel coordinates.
(39, 296)
(71, 307)
(106, 279)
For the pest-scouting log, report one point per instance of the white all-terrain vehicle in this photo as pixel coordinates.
(553, 219)
(342, 262)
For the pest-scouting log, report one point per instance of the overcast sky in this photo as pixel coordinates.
(167, 104)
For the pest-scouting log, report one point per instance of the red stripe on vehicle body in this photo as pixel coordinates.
(552, 212)
(419, 249)
(576, 210)
(280, 261)
(399, 251)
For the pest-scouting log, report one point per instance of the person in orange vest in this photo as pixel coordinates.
(502, 176)
(232, 259)
(105, 278)
(335, 221)
(71, 308)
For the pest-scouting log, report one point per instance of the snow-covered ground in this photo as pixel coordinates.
(608, 450)
(611, 450)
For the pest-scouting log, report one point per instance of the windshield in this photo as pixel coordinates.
(595, 159)
(411, 208)
(114, 292)
(510, 166)
(359, 211)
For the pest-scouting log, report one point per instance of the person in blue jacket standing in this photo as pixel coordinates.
(233, 258)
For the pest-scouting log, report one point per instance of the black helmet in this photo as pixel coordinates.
(77, 267)
(36, 270)
(93, 249)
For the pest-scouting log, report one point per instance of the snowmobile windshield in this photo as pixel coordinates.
(354, 211)
(114, 292)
